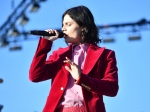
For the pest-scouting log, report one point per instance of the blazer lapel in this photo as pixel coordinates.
(93, 54)
(68, 54)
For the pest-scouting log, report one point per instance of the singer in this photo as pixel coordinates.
(82, 73)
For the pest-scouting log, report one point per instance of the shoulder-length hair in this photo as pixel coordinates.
(84, 18)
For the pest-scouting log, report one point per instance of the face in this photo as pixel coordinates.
(71, 30)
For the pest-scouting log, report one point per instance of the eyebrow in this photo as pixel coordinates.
(66, 22)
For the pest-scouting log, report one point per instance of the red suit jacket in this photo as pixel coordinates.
(99, 76)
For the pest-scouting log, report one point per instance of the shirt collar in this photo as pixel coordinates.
(84, 46)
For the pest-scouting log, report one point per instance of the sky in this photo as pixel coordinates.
(18, 94)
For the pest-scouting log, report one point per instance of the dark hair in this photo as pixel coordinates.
(84, 18)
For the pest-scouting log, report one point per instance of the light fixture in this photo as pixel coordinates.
(4, 42)
(13, 32)
(35, 7)
(134, 37)
(1, 106)
(108, 40)
(1, 80)
(15, 48)
(43, 0)
(24, 19)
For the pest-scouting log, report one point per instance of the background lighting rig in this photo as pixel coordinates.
(9, 33)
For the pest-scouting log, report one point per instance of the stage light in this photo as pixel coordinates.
(1, 80)
(13, 32)
(35, 7)
(24, 19)
(134, 37)
(15, 48)
(43, 0)
(108, 40)
(1, 106)
(4, 42)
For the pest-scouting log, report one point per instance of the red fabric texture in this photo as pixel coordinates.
(99, 76)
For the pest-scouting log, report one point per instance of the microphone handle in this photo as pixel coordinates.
(44, 33)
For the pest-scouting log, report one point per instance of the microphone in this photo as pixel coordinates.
(44, 33)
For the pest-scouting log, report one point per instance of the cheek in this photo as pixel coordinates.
(75, 33)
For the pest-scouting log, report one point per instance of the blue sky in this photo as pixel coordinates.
(18, 94)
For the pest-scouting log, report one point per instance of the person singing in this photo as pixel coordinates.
(80, 73)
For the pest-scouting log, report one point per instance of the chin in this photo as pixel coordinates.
(67, 40)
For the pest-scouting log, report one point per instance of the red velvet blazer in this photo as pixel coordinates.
(99, 76)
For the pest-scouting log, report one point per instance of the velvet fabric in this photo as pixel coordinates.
(99, 76)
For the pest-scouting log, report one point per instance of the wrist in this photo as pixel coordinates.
(77, 79)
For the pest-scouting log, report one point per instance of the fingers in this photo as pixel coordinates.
(67, 68)
(50, 31)
(74, 70)
(68, 61)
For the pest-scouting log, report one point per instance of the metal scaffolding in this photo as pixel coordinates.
(8, 29)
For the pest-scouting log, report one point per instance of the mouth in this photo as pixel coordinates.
(65, 35)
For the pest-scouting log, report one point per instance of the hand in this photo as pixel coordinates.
(74, 70)
(52, 38)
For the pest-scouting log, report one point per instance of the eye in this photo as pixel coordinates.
(68, 24)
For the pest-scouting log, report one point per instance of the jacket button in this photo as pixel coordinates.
(61, 88)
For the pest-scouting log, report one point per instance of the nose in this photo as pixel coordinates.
(63, 28)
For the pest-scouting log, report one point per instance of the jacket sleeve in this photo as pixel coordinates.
(108, 84)
(40, 69)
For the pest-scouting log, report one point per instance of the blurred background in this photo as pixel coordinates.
(124, 27)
